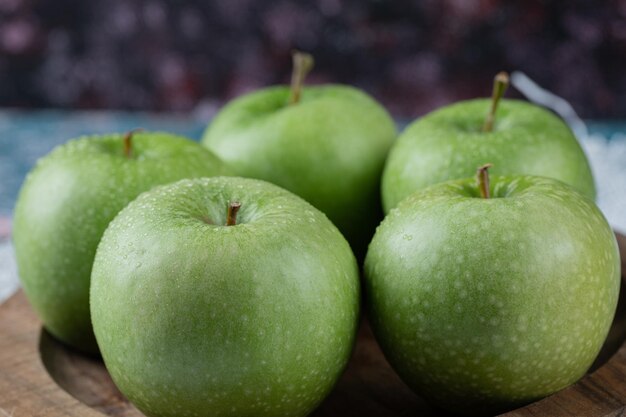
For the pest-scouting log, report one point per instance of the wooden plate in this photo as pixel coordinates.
(40, 377)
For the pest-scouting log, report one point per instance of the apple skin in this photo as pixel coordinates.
(448, 143)
(482, 305)
(196, 318)
(66, 203)
(330, 149)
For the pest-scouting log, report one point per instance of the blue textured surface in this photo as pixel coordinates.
(26, 136)
(607, 128)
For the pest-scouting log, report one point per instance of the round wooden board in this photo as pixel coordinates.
(40, 377)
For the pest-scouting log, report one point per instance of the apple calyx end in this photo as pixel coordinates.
(302, 65)
(231, 216)
(500, 85)
(482, 177)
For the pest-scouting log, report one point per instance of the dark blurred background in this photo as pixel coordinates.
(192, 55)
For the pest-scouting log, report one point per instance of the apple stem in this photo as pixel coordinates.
(128, 145)
(233, 208)
(128, 142)
(482, 176)
(500, 84)
(302, 65)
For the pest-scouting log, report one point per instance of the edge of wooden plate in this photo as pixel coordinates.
(28, 390)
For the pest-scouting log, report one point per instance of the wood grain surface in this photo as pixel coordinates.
(40, 377)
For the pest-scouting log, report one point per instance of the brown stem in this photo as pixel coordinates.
(302, 65)
(233, 208)
(128, 142)
(482, 176)
(500, 84)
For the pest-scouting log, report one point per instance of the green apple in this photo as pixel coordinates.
(69, 199)
(200, 310)
(325, 143)
(449, 143)
(485, 304)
